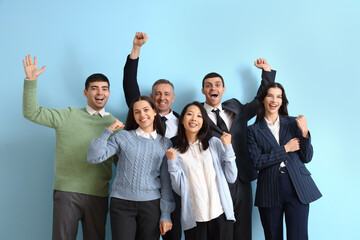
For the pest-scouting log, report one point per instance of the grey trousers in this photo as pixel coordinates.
(70, 208)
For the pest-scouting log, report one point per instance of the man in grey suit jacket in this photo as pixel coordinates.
(235, 116)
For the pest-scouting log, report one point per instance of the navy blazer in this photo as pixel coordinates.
(267, 155)
(242, 114)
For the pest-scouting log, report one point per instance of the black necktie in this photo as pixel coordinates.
(220, 122)
(163, 120)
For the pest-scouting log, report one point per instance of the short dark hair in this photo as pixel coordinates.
(283, 108)
(161, 81)
(131, 124)
(213, 75)
(96, 77)
(203, 135)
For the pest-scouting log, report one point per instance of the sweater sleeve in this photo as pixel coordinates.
(177, 175)
(167, 203)
(101, 148)
(44, 116)
(228, 163)
(130, 85)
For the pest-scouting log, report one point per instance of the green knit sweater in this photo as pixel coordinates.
(75, 129)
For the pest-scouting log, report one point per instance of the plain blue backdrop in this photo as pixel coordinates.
(314, 46)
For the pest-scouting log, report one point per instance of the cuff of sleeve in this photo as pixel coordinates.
(172, 166)
(268, 74)
(106, 133)
(165, 216)
(229, 151)
(304, 139)
(132, 60)
(30, 83)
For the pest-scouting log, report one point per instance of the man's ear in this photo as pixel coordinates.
(85, 92)
(203, 91)
(151, 96)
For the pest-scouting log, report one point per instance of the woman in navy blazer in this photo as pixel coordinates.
(279, 147)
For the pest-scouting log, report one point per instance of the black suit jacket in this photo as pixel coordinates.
(131, 86)
(243, 113)
(267, 156)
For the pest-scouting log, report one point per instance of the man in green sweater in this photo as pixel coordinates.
(80, 189)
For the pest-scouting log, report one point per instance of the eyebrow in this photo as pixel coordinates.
(95, 86)
(138, 109)
(213, 82)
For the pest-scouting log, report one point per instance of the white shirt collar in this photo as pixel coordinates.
(168, 116)
(141, 133)
(209, 108)
(196, 143)
(270, 124)
(91, 111)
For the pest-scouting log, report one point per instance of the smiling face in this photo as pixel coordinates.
(144, 115)
(272, 102)
(213, 90)
(193, 120)
(97, 95)
(163, 96)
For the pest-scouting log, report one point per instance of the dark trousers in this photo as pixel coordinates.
(132, 220)
(70, 208)
(216, 229)
(296, 213)
(175, 233)
(241, 194)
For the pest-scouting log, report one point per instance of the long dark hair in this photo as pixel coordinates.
(131, 124)
(283, 108)
(203, 135)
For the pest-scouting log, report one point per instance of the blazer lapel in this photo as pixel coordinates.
(265, 131)
(228, 106)
(284, 130)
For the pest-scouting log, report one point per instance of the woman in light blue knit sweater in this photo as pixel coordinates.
(141, 196)
(200, 169)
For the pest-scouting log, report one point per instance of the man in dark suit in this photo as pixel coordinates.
(163, 95)
(232, 116)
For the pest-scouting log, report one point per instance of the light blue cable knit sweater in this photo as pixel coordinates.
(141, 172)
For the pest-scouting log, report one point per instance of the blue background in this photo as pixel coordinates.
(314, 46)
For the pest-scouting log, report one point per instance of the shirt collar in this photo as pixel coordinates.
(140, 132)
(270, 124)
(209, 108)
(197, 142)
(91, 111)
(168, 116)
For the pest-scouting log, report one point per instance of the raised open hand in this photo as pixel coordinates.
(31, 70)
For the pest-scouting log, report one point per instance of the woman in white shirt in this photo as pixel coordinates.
(200, 169)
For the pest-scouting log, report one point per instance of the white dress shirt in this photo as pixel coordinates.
(141, 133)
(101, 113)
(227, 116)
(201, 176)
(171, 124)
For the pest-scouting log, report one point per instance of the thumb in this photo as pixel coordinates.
(42, 70)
